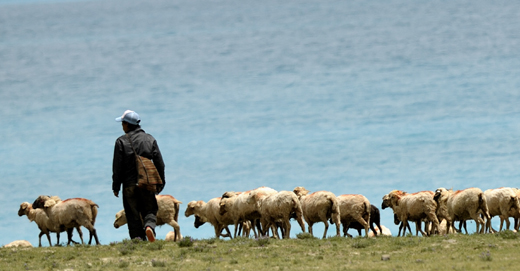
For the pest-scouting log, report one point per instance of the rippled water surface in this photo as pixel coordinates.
(347, 96)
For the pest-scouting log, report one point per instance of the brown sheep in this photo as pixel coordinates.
(354, 208)
(70, 214)
(462, 205)
(319, 207)
(209, 212)
(502, 202)
(42, 220)
(167, 213)
(277, 208)
(412, 207)
(237, 207)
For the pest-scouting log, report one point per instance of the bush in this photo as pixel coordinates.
(305, 235)
(187, 241)
(262, 241)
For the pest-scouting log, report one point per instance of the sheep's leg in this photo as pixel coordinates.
(300, 222)
(480, 223)
(358, 232)
(236, 229)
(326, 228)
(309, 225)
(228, 234)
(177, 230)
(40, 238)
(418, 228)
(287, 229)
(93, 233)
(57, 238)
(69, 236)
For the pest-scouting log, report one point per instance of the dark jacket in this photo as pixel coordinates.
(124, 168)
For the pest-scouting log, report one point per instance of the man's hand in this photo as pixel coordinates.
(116, 193)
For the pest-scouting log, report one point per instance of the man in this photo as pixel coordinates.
(140, 204)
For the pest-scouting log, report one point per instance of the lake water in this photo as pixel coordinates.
(353, 97)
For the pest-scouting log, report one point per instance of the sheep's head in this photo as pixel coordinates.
(40, 201)
(222, 206)
(228, 194)
(300, 191)
(198, 222)
(120, 219)
(438, 193)
(190, 209)
(24, 208)
(386, 202)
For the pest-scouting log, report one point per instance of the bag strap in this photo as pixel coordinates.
(131, 144)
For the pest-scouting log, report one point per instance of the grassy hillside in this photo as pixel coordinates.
(455, 252)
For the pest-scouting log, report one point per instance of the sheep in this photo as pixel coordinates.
(319, 207)
(462, 205)
(209, 212)
(354, 208)
(173, 236)
(413, 207)
(70, 213)
(19, 243)
(502, 202)
(239, 210)
(516, 217)
(42, 220)
(277, 207)
(375, 219)
(381, 231)
(443, 228)
(167, 213)
(401, 226)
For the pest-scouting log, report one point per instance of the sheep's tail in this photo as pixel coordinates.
(176, 207)
(334, 209)
(94, 208)
(482, 205)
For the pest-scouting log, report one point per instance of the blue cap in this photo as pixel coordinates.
(130, 117)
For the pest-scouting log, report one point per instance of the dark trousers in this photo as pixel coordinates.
(141, 210)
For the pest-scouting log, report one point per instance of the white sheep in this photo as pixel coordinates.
(70, 213)
(412, 207)
(167, 213)
(502, 202)
(319, 207)
(278, 207)
(209, 212)
(19, 243)
(42, 220)
(462, 205)
(237, 207)
(354, 208)
(172, 236)
(384, 231)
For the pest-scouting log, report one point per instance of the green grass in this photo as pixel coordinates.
(454, 252)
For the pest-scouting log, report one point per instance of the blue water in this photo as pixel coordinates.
(347, 96)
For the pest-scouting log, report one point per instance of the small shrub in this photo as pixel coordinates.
(305, 235)
(262, 241)
(211, 241)
(507, 234)
(123, 264)
(186, 242)
(158, 263)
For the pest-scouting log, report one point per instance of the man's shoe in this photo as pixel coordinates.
(150, 235)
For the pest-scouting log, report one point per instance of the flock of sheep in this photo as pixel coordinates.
(264, 209)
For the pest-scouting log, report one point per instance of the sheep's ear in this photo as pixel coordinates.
(49, 203)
